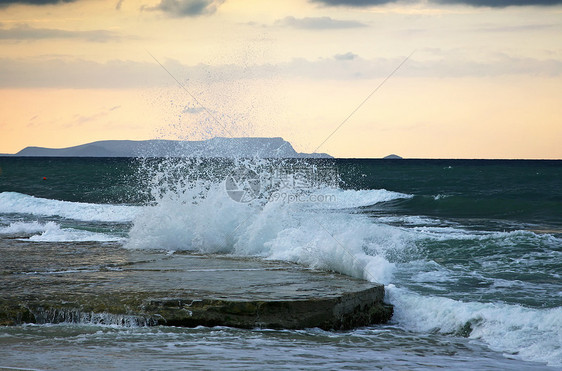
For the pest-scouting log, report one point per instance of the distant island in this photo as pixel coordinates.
(215, 147)
(392, 157)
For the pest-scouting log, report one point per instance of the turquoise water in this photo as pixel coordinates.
(470, 252)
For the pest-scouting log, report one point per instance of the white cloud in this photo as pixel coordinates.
(24, 32)
(318, 23)
(75, 73)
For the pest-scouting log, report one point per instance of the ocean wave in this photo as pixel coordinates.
(409, 220)
(529, 333)
(52, 232)
(442, 233)
(17, 228)
(349, 198)
(13, 202)
(336, 240)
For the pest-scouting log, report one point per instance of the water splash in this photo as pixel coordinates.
(299, 214)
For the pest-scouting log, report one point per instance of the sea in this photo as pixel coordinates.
(469, 252)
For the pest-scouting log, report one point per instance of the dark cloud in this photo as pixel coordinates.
(349, 56)
(499, 3)
(24, 32)
(318, 23)
(476, 3)
(4, 3)
(187, 8)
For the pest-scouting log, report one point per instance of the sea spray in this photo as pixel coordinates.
(298, 214)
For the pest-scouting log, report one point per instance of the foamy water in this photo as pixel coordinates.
(13, 202)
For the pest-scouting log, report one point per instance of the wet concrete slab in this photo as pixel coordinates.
(104, 283)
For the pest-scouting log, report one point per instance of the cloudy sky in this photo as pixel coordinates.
(468, 78)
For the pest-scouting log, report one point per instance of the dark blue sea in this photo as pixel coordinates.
(469, 251)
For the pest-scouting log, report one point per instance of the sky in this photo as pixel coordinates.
(352, 78)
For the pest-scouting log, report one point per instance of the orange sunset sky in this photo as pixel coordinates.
(484, 79)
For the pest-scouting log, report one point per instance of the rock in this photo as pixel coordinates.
(153, 288)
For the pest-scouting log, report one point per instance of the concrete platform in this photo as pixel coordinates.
(104, 283)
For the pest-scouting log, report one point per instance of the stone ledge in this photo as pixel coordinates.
(153, 288)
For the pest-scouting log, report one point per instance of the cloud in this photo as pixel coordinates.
(79, 120)
(357, 3)
(516, 28)
(318, 23)
(461, 64)
(24, 32)
(81, 74)
(500, 3)
(187, 8)
(4, 3)
(349, 66)
(475, 3)
(349, 56)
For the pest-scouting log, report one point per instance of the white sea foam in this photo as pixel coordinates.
(439, 233)
(349, 198)
(12, 202)
(52, 232)
(23, 228)
(410, 220)
(532, 334)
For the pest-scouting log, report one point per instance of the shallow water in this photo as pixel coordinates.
(379, 347)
